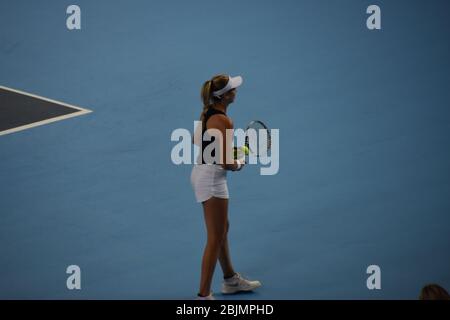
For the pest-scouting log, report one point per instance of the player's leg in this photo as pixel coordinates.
(233, 281)
(224, 256)
(215, 214)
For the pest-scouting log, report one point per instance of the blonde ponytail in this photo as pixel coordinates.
(206, 98)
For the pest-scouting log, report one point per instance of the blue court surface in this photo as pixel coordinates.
(364, 123)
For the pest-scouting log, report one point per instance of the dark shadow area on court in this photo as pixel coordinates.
(17, 109)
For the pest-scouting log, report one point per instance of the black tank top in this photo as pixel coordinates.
(211, 111)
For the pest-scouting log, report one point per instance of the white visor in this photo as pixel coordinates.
(233, 82)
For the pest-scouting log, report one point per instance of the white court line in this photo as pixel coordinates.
(40, 123)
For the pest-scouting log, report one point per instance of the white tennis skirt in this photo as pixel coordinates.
(209, 180)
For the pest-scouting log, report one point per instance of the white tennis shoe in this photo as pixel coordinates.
(208, 297)
(238, 283)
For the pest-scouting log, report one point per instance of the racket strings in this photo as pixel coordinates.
(257, 126)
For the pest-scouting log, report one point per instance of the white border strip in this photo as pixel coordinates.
(80, 112)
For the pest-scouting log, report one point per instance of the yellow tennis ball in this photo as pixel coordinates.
(246, 150)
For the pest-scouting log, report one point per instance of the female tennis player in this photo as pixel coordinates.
(210, 186)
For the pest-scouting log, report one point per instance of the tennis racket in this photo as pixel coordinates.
(254, 142)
